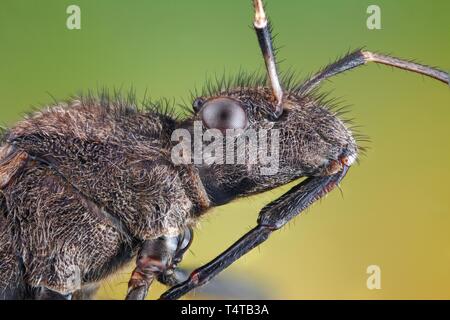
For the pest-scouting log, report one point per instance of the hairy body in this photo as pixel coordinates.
(87, 185)
(83, 185)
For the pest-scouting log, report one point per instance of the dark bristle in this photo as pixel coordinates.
(225, 83)
(122, 102)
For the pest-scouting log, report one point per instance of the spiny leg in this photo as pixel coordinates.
(272, 217)
(361, 57)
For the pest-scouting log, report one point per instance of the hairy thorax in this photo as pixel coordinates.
(92, 181)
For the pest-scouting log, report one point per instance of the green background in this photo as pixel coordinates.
(395, 207)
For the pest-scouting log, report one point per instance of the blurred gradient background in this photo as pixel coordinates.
(394, 210)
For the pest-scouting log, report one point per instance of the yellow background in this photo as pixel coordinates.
(395, 208)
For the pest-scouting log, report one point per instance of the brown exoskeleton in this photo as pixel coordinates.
(89, 184)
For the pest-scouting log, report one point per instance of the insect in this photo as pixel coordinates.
(89, 184)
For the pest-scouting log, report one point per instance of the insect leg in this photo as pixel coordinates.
(362, 57)
(158, 259)
(272, 217)
(139, 284)
(153, 259)
(173, 277)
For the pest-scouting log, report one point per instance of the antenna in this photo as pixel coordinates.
(262, 30)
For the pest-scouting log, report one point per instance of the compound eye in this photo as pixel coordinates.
(222, 114)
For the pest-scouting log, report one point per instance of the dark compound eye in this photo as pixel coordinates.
(222, 114)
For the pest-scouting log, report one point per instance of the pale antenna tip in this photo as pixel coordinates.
(260, 21)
